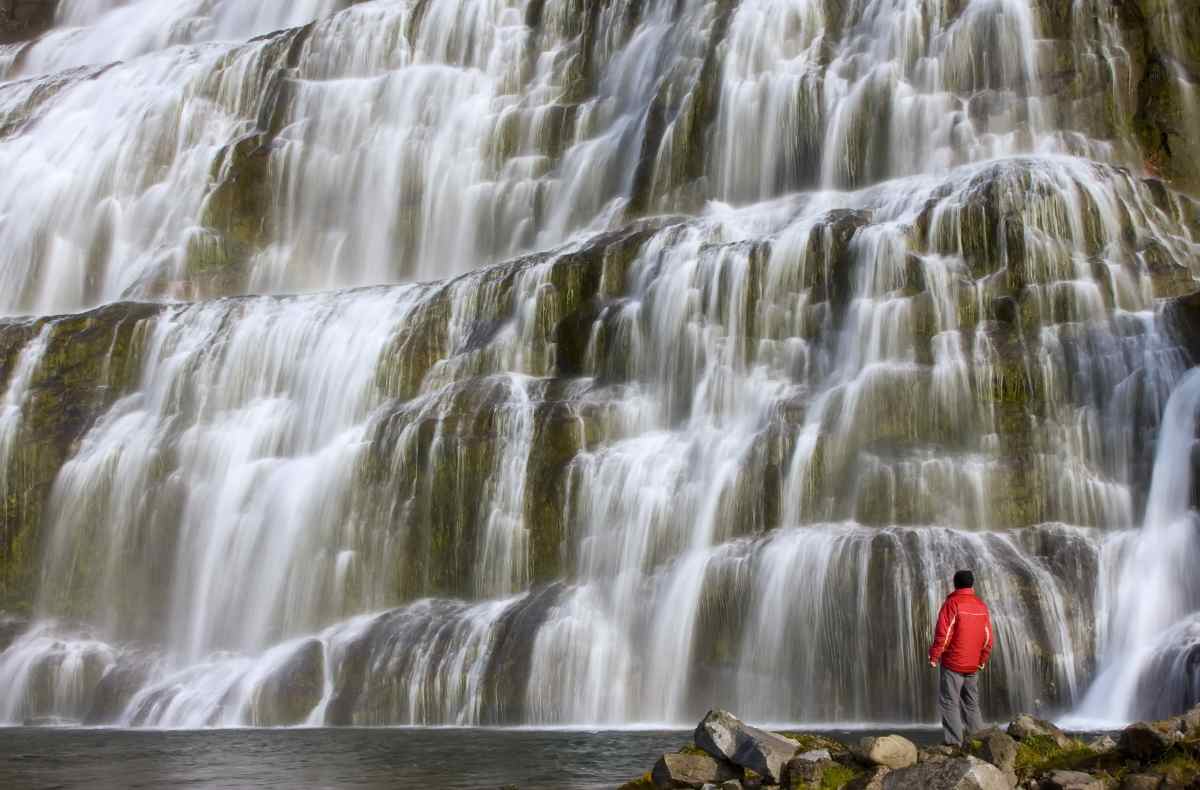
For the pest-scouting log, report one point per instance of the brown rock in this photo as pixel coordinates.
(872, 780)
(958, 773)
(689, 770)
(1141, 782)
(1000, 749)
(890, 751)
(1026, 726)
(1144, 741)
(1071, 780)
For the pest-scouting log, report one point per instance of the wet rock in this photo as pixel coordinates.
(1071, 780)
(690, 770)
(21, 20)
(293, 689)
(938, 752)
(10, 628)
(961, 773)
(890, 751)
(1182, 317)
(872, 780)
(798, 773)
(1000, 749)
(116, 689)
(1141, 782)
(1145, 741)
(1026, 726)
(726, 737)
(732, 784)
(1189, 723)
(1103, 743)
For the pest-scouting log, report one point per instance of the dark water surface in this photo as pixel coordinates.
(483, 759)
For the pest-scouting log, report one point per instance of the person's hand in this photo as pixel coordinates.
(933, 664)
(981, 666)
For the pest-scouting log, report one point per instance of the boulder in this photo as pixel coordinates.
(1026, 726)
(1000, 749)
(1141, 782)
(690, 770)
(1145, 741)
(807, 769)
(1071, 780)
(890, 751)
(1189, 723)
(957, 773)
(938, 752)
(289, 693)
(725, 737)
(1102, 743)
(732, 784)
(872, 780)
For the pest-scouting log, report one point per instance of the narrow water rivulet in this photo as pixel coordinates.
(569, 362)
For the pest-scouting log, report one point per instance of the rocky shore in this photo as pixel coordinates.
(1031, 754)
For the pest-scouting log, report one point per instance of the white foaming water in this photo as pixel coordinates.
(92, 32)
(1156, 593)
(696, 462)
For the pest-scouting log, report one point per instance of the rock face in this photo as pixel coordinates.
(1026, 726)
(1071, 780)
(1146, 741)
(25, 19)
(290, 693)
(689, 770)
(724, 736)
(963, 773)
(1141, 782)
(999, 749)
(889, 751)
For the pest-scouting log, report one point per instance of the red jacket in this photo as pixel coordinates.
(963, 639)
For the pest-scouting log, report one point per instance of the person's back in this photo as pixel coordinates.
(962, 643)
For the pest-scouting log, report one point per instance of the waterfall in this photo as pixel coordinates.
(1156, 598)
(557, 362)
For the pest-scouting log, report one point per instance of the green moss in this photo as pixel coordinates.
(837, 776)
(643, 782)
(1040, 753)
(1179, 766)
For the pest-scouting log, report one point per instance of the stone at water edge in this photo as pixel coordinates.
(724, 736)
(1026, 726)
(957, 773)
(717, 734)
(689, 770)
(732, 784)
(1145, 741)
(806, 770)
(1071, 780)
(890, 751)
(1103, 743)
(1141, 782)
(1000, 749)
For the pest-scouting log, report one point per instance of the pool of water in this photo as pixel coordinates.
(449, 759)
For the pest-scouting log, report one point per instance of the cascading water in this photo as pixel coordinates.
(756, 319)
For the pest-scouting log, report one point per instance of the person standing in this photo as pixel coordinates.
(962, 643)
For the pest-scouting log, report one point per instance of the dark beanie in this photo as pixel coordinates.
(964, 579)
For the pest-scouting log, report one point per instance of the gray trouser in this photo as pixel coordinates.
(958, 698)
